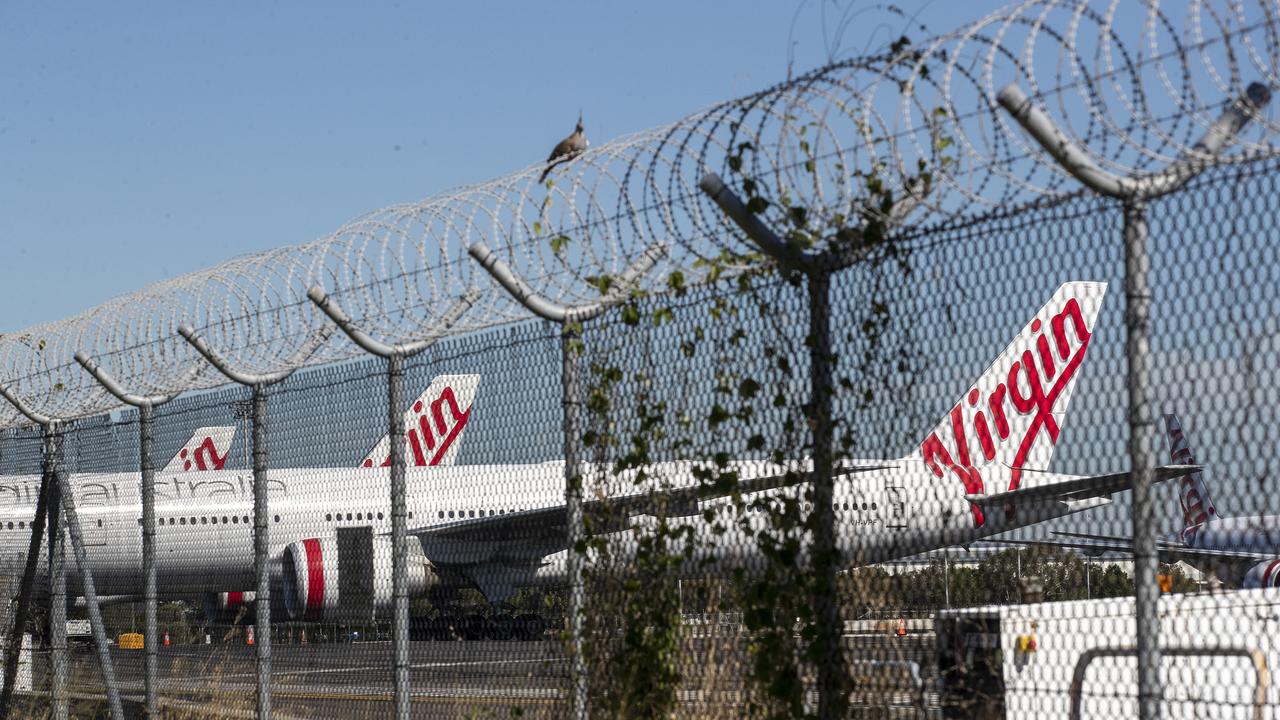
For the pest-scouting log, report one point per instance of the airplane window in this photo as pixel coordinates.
(873, 506)
(451, 514)
(99, 524)
(184, 521)
(411, 516)
(204, 521)
(348, 516)
(846, 506)
(359, 516)
(193, 521)
(864, 506)
(473, 513)
(246, 519)
(502, 511)
(11, 524)
(21, 524)
(277, 518)
(380, 516)
(328, 517)
(224, 519)
(491, 512)
(234, 519)
(441, 515)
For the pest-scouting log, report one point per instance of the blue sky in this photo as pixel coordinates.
(142, 141)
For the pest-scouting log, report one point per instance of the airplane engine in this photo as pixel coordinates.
(1263, 575)
(227, 607)
(347, 578)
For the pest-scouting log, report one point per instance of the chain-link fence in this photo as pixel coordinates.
(838, 400)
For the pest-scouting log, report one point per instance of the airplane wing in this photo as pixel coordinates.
(1169, 552)
(548, 525)
(1079, 488)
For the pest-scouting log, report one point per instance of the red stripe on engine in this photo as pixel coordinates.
(1266, 576)
(315, 577)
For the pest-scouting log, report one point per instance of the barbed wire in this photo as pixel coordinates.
(1136, 83)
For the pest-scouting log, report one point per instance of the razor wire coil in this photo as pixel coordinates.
(1133, 83)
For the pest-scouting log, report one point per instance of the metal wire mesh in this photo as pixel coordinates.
(704, 460)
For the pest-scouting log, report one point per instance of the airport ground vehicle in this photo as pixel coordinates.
(1077, 659)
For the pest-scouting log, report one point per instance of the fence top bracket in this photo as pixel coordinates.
(369, 344)
(559, 312)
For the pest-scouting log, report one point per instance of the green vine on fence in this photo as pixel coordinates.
(635, 643)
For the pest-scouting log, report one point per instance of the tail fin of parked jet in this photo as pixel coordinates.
(1012, 415)
(433, 424)
(1193, 495)
(206, 450)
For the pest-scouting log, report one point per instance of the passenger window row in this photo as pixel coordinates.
(472, 513)
(337, 517)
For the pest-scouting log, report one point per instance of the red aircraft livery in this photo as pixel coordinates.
(1010, 417)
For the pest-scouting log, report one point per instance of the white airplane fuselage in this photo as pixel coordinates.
(204, 526)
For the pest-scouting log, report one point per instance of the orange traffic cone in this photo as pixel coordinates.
(248, 638)
(166, 639)
(304, 636)
(902, 627)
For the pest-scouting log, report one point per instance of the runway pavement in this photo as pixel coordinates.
(476, 679)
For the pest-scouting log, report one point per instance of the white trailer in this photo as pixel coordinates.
(1078, 659)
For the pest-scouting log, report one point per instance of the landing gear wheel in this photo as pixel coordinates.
(501, 627)
(473, 627)
(529, 627)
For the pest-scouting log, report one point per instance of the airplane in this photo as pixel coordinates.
(1243, 551)
(495, 528)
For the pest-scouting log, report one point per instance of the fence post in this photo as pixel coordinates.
(395, 356)
(62, 498)
(569, 318)
(21, 613)
(825, 557)
(258, 384)
(146, 406)
(1133, 193)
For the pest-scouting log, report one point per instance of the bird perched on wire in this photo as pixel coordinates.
(567, 149)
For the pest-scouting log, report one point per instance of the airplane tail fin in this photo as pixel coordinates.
(1012, 414)
(433, 424)
(1193, 495)
(206, 450)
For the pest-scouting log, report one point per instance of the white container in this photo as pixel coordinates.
(1219, 653)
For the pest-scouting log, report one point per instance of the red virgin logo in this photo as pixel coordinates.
(1195, 509)
(205, 456)
(1034, 381)
(432, 430)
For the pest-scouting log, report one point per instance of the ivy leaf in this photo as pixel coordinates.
(630, 314)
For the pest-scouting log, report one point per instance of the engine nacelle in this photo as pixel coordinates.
(1263, 575)
(228, 607)
(348, 578)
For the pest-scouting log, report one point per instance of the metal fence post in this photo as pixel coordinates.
(1133, 192)
(569, 318)
(817, 268)
(146, 406)
(395, 356)
(62, 497)
(57, 626)
(258, 384)
(22, 612)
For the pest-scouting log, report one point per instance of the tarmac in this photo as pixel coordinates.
(480, 679)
